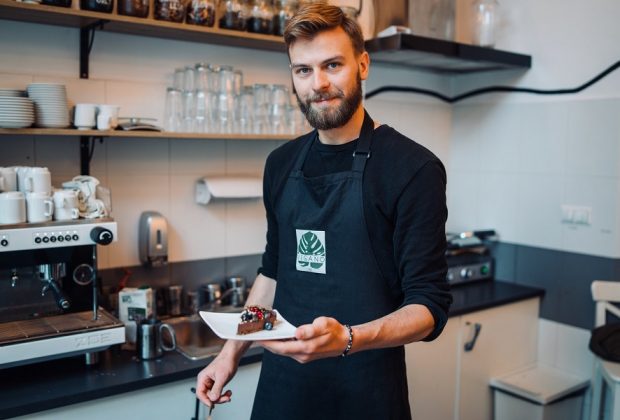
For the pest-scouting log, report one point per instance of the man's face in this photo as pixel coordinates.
(327, 76)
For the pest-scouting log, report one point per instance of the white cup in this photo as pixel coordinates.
(38, 180)
(109, 110)
(84, 116)
(8, 179)
(66, 205)
(22, 173)
(104, 122)
(39, 207)
(12, 207)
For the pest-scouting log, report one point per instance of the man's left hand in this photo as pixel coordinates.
(325, 337)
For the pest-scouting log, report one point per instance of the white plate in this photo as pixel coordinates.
(225, 326)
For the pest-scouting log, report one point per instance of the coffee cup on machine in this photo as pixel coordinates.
(8, 179)
(39, 207)
(66, 205)
(12, 207)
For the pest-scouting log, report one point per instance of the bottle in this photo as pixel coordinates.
(282, 14)
(484, 19)
(201, 12)
(261, 17)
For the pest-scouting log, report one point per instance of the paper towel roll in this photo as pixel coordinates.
(227, 187)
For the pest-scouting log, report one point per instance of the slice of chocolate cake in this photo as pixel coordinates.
(256, 318)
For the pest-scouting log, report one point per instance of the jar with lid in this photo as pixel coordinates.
(135, 8)
(104, 6)
(261, 17)
(282, 14)
(485, 16)
(233, 14)
(170, 10)
(201, 12)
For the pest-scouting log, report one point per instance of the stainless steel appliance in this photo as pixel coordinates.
(48, 291)
(468, 257)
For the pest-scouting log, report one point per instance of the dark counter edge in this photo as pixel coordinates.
(30, 406)
(467, 298)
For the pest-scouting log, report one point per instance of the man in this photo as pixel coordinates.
(355, 245)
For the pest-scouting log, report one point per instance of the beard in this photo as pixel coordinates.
(329, 118)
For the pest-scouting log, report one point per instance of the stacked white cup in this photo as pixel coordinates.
(88, 116)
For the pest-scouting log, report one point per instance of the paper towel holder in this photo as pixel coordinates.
(153, 239)
(228, 187)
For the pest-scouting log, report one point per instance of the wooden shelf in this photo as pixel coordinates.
(138, 134)
(439, 56)
(61, 16)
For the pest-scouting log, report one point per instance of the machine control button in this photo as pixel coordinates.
(101, 235)
(37, 240)
(75, 237)
(67, 238)
(61, 238)
(52, 239)
(4, 242)
(46, 239)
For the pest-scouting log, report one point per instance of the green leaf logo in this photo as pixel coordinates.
(311, 252)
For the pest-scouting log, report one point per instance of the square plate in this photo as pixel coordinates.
(225, 326)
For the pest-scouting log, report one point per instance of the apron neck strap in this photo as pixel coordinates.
(360, 154)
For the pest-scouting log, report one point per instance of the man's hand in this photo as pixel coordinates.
(325, 337)
(212, 379)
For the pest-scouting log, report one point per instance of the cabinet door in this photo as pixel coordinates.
(506, 342)
(432, 374)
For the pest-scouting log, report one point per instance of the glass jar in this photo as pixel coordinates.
(170, 10)
(104, 6)
(61, 3)
(135, 8)
(485, 15)
(282, 14)
(261, 17)
(201, 12)
(233, 14)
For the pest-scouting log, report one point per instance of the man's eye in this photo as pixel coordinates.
(333, 66)
(303, 70)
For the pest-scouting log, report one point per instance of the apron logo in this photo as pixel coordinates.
(311, 253)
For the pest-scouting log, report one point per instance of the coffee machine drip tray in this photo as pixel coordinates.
(46, 338)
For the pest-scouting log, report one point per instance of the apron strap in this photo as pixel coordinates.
(362, 153)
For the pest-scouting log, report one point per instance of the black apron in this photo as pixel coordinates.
(326, 267)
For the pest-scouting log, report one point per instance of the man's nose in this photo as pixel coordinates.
(320, 81)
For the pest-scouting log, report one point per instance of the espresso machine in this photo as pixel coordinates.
(49, 293)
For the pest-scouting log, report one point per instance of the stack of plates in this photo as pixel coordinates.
(16, 112)
(12, 92)
(50, 103)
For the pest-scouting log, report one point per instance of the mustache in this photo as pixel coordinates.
(324, 96)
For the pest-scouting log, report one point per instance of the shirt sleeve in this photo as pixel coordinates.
(269, 264)
(420, 243)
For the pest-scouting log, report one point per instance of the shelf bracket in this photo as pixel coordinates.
(87, 37)
(87, 148)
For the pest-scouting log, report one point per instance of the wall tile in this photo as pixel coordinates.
(463, 191)
(499, 131)
(601, 237)
(542, 144)
(196, 231)
(14, 81)
(538, 211)
(61, 155)
(133, 195)
(593, 143)
(144, 100)
(197, 157)
(465, 143)
(17, 151)
(246, 227)
(131, 157)
(573, 354)
(547, 342)
(498, 204)
(247, 157)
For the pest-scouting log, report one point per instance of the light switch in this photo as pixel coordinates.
(578, 215)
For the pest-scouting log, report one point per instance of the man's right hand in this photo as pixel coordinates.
(212, 379)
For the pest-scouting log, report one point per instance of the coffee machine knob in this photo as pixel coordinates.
(101, 236)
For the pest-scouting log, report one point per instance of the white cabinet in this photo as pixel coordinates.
(169, 401)
(447, 382)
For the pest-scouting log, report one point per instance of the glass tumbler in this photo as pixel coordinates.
(244, 110)
(226, 99)
(485, 16)
(278, 109)
(262, 94)
(173, 110)
(178, 78)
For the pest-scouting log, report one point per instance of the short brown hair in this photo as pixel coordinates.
(318, 17)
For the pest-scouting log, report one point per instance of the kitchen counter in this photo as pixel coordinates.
(57, 383)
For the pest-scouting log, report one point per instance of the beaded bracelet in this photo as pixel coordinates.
(350, 343)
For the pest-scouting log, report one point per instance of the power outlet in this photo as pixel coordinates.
(576, 215)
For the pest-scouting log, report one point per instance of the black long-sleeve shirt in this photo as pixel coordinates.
(404, 195)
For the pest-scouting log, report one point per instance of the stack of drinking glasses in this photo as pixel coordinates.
(207, 98)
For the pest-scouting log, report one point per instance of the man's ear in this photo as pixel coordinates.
(364, 65)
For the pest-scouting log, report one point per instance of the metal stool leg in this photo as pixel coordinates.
(597, 388)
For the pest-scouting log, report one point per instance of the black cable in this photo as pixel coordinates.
(492, 89)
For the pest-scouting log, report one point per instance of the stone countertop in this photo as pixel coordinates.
(57, 383)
